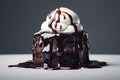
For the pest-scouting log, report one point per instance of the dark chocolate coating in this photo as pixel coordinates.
(73, 49)
(68, 50)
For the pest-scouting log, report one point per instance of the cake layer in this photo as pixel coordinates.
(68, 49)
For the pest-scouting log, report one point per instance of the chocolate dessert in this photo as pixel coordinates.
(61, 42)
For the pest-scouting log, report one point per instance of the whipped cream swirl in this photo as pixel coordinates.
(61, 20)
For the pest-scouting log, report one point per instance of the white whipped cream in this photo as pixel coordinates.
(61, 20)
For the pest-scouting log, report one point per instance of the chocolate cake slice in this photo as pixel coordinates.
(68, 50)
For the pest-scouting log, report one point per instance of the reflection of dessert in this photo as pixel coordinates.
(61, 42)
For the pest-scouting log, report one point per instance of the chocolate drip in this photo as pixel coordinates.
(60, 26)
(58, 20)
(75, 27)
(51, 22)
(64, 16)
(50, 25)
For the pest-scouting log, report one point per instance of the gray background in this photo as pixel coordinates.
(20, 19)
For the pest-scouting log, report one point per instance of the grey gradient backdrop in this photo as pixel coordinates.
(19, 19)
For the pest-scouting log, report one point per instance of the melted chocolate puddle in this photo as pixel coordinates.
(30, 64)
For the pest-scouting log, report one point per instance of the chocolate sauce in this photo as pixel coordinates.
(58, 20)
(74, 26)
(50, 25)
(60, 26)
(71, 19)
(64, 16)
(58, 12)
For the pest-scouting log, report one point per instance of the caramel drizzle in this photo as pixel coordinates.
(58, 20)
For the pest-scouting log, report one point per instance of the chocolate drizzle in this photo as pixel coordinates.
(71, 19)
(64, 16)
(60, 26)
(50, 25)
(58, 20)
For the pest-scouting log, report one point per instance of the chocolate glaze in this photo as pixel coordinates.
(69, 50)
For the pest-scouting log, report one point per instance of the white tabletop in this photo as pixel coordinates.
(110, 72)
